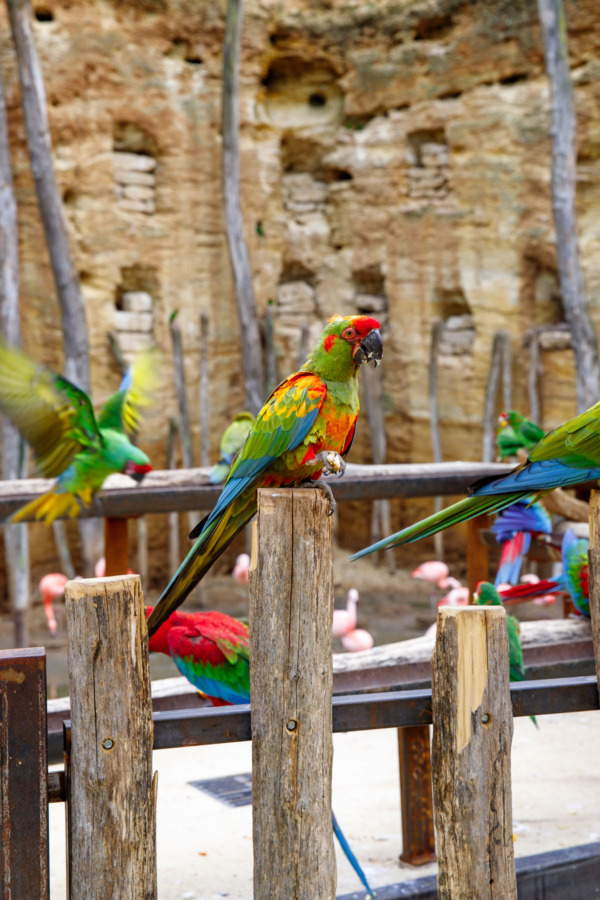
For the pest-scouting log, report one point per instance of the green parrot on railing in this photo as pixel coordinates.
(57, 419)
(515, 433)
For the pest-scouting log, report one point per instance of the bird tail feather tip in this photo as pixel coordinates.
(459, 512)
(47, 508)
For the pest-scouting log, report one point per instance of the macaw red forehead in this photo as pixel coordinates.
(365, 324)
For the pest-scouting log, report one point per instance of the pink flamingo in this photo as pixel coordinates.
(100, 569)
(52, 587)
(458, 596)
(435, 572)
(356, 640)
(241, 569)
(344, 620)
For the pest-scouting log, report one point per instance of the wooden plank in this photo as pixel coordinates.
(291, 607)
(472, 734)
(188, 489)
(112, 792)
(23, 774)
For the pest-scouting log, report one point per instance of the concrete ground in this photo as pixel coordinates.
(205, 847)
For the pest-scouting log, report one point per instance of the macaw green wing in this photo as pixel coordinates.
(576, 443)
(52, 414)
(123, 411)
(282, 424)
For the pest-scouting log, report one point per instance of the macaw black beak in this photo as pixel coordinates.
(136, 471)
(370, 349)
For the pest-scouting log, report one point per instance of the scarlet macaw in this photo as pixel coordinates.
(57, 419)
(573, 579)
(304, 429)
(514, 527)
(211, 649)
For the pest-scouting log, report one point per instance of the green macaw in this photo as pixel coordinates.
(487, 595)
(69, 443)
(232, 442)
(305, 428)
(515, 433)
(564, 457)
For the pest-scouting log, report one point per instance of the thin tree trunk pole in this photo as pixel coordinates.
(142, 549)
(491, 391)
(116, 547)
(185, 431)
(173, 518)
(62, 548)
(291, 607)
(76, 353)
(382, 520)
(204, 392)
(594, 575)
(564, 163)
(434, 423)
(112, 810)
(533, 374)
(15, 536)
(472, 734)
(238, 250)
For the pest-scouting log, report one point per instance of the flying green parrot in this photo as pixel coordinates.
(487, 595)
(232, 442)
(564, 457)
(304, 429)
(69, 443)
(515, 433)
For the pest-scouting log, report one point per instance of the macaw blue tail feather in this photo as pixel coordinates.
(351, 857)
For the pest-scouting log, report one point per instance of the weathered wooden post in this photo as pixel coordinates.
(472, 733)
(24, 774)
(112, 818)
(416, 804)
(291, 607)
(594, 575)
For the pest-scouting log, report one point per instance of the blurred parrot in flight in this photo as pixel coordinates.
(69, 443)
(304, 429)
(566, 456)
(232, 442)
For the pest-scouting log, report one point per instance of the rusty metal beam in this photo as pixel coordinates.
(416, 800)
(23, 775)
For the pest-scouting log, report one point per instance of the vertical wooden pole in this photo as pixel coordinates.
(477, 554)
(472, 733)
(291, 607)
(116, 551)
(594, 575)
(112, 840)
(416, 803)
(23, 775)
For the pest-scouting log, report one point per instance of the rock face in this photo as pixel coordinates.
(394, 160)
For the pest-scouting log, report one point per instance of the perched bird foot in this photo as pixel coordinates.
(324, 487)
(333, 464)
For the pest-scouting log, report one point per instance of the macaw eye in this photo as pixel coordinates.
(349, 333)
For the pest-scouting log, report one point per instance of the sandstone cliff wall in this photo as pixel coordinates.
(395, 160)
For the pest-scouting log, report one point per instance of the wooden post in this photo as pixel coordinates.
(416, 803)
(477, 553)
(472, 733)
(112, 841)
(116, 551)
(291, 608)
(594, 575)
(23, 775)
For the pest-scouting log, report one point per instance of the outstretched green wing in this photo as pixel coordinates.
(123, 411)
(52, 414)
